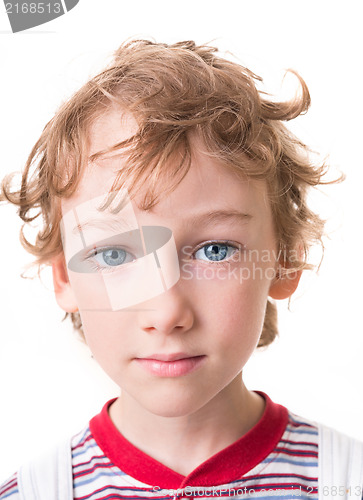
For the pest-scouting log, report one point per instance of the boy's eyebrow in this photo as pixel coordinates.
(207, 218)
(219, 216)
(104, 223)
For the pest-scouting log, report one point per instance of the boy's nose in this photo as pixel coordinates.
(170, 312)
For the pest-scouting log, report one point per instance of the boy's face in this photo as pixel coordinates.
(213, 314)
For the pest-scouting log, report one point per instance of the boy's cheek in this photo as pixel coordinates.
(233, 273)
(90, 291)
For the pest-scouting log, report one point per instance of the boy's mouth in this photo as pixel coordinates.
(171, 365)
(170, 357)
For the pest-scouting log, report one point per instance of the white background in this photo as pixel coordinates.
(49, 385)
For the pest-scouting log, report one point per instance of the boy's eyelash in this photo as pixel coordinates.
(96, 251)
(237, 246)
(218, 242)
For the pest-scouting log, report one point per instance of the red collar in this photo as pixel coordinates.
(224, 467)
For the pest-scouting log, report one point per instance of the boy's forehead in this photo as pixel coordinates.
(207, 185)
(113, 126)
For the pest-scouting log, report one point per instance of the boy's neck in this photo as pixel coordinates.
(183, 443)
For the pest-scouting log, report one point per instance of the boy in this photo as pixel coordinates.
(174, 207)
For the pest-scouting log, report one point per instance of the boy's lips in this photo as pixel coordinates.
(170, 357)
(171, 365)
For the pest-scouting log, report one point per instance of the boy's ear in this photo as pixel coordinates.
(285, 285)
(62, 288)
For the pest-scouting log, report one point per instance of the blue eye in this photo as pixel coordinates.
(215, 252)
(109, 258)
(113, 256)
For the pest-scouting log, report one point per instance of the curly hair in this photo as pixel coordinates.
(173, 90)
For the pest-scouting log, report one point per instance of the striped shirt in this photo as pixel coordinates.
(277, 458)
